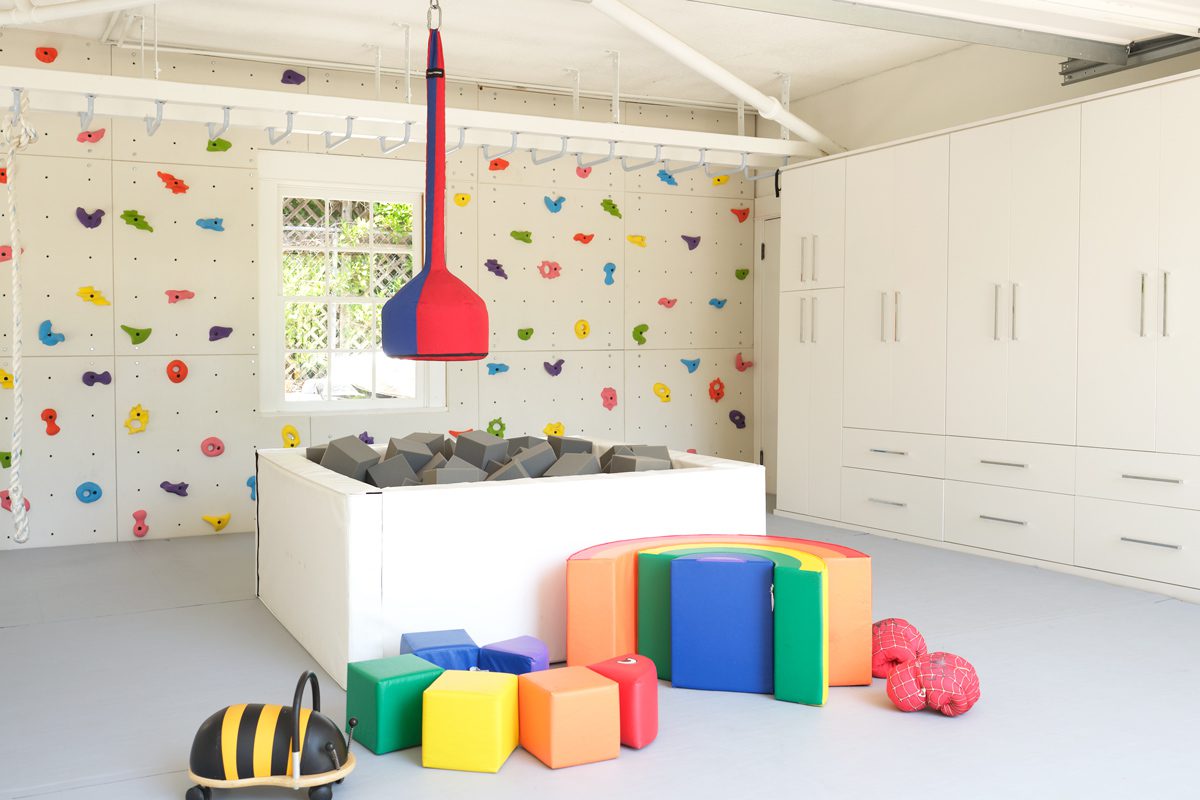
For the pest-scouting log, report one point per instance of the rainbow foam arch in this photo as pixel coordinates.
(618, 601)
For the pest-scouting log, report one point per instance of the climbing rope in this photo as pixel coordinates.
(16, 136)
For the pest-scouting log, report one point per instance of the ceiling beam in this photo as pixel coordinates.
(1147, 51)
(938, 27)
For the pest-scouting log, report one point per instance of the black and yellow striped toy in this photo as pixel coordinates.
(267, 745)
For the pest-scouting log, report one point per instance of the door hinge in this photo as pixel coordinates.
(761, 461)
(762, 255)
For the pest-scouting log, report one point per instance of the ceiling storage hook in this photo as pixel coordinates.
(333, 144)
(724, 173)
(462, 138)
(488, 156)
(274, 138)
(612, 153)
(533, 156)
(152, 123)
(625, 165)
(388, 149)
(213, 131)
(85, 117)
(761, 177)
(689, 167)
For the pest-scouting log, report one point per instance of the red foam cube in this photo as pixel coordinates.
(637, 679)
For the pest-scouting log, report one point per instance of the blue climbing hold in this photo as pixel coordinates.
(211, 223)
(667, 178)
(553, 206)
(47, 336)
(252, 482)
(717, 303)
(495, 368)
(692, 364)
(609, 269)
(88, 492)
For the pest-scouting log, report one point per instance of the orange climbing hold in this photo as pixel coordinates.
(50, 417)
(46, 55)
(176, 185)
(177, 371)
(716, 390)
(742, 214)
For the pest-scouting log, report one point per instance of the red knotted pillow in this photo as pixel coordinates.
(895, 642)
(941, 681)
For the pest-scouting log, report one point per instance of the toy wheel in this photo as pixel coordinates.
(198, 793)
(320, 792)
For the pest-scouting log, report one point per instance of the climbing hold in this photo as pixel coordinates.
(218, 332)
(177, 371)
(716, 302)
(219, 145)
(174, 488)
(584, 238)
(720, 180)
(175, 295)
(218, 521)
(88, 492)
(555, 369)
(140, 528)
(554, 429)
(582, 329)
(639, 333)
(6, 379)
(497, 164)
(91, 137)
(662, 392)
(522, 236)
(742, 214)
(553, 206)
(738, 419)
(212, 447)
(461, 199)
(741, 273)
(91, 220)
(524, 334)
(549, 269)
(211, 223)
(741, 365)
(609, 269)
(583, 172)
(291, 436)
(92, 378)
(50, 417)
(608, 397)
(46, 55)
(91, 294)
(292, 78)
(610, 207)
(5, 459)
(495, 368)
(47, 336)
(366, 438)
(6, 253)
(252, 482)
(692, 450)
(692, 364)
(496, 427)
(137, 335)
(668, 302)
(692, 242)
(3, 175)
(456, 434)
(667, 178)
(132, 217)
(716, 390)
(638, 240)
(6, 501)
(496, 268)
(138, 420)
(176, 185)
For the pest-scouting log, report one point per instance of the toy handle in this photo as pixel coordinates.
(305, 677)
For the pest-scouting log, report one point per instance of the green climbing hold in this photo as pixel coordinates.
(6, 459)
(132, 217)
(137, 335)
(496, 427)
(524, 334)
(639, 333)
(522, 236)
(219, 145)
(608, 205)
(741, 274)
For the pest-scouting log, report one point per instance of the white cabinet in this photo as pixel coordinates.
(896, 226)
(901, 503)
(1013, 279)
(1159, 544)
(1018, 521)
(809, 453)
(813, 241)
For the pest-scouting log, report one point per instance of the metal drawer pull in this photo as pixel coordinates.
(887, 502)
(888, 452)
(803, 242)
(812, 318)
(1142, 308)
(803, 305)
(1002, 519)
(896, 318)
(1013, 328)
(1151, 478)
(996, 314)
(1152, 544)
(1166, 291)
(1003, 463)
(883, 317)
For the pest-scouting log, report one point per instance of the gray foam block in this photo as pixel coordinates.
(519, 443)
(636, 464)
(433, 441)
(456, 462)
(480, 447)
(574, 464)
(316, 453)
(615, 450)
(391, 472)
(494, 466)
(438, 460)
(411, 450)
(509, 472)
(651, 451)
(568, 444)
(536, 460)
(350, 456)
(445, 475)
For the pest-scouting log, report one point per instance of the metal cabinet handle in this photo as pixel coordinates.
(1166, 289)
(812, 316)
(896, 319)
(812, 268)
(887, 502)
(989, 462)
(888, 452)
(996, 313)
(1002, 519)
(1013, 329)
(1152, 478)
(1142, 308)
(803, 245)
(1131, 540)
(883, 317)
(803, 305)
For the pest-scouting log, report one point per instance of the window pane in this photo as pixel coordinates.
(304, 223)
(352, 222)
(306, 326)
(305, 376)
(395, 378)
(352, 275)
(353, 327)
(392, 270)
(393, 223)
(352, 376)
(304, 274)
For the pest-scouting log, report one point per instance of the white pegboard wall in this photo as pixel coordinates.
(19, 48)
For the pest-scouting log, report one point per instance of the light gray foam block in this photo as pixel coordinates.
(615, 450)
(509, 472)
(480, 447)
(390, 472)
(573, 464)
(519, 443)
(536, 460)
(636, 464)
(568, 444)
(316, 453)
(456, 462)
(350, 456)
(438, 460)
(446, 475)
(432, 441)
(411, 450)
(651, 451)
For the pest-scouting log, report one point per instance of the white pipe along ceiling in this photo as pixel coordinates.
(26, 13)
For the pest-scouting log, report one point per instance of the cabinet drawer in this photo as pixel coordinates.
(1021, 465)
(901, 503)
(889, 451)
(1017, 521)
(1156, 478)
(1152, 542)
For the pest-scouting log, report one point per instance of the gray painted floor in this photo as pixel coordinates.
(111, 655)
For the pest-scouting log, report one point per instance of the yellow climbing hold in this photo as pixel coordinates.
(138, 420)
(554, 429)
(582, 329)
(91, 294)
(640, 241)
(6, 380)
(218, 522)
(462, 199)
(662, 392)
(291, 436)
(720, 179)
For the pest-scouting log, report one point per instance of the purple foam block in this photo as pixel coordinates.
(292, 78)
(515, 656)
(174, 488)
(218, 332)
(92, 378)
(366, 438)
(91, 220)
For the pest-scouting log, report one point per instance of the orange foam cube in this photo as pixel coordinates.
(569, 716)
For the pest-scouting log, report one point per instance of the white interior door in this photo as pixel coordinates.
(825, 318)
(795, 404)
(767, 353)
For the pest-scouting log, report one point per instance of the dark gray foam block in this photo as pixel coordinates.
(536, 460)
(480, 447)
(350, 456)
(432, 441)
(519, 443)
(567, 444)
(413, 451)
(447, 475)
(615, 450)
(636, 464)
(438, 460)
(395, 471)
(574, 464)
(509, 472)
(651, 451)
(316, 453)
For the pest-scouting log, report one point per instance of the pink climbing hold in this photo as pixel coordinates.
(667, 302)
(212, 447)
(140, 528)
(583, 172)
(741, 364)
(549, 269)
(6, 501)
(608, 398)
(91, 137)
(175, 295)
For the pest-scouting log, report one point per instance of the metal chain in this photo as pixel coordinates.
(434, 5)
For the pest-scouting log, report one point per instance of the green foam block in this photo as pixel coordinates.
(385, 695)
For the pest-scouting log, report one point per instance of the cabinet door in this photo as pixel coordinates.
(1118, 264)
(795, 204)
(795, 404)
(826, 260)
(825, 409)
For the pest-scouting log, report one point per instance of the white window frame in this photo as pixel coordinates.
(319, 175)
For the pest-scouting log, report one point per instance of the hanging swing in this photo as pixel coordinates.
(435, 316)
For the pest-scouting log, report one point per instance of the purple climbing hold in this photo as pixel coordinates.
(92, 378)
(554, 369)
(91, 220)
(691, 241)
(174, 488)
(218, 332)
(366, 438)
(496, 268)
(292, 78)
(738, 419)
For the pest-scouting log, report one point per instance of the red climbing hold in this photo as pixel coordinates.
(497, 164)
(177, 371)
(584, 238)
(742, 214)
(174, 184)
(46, 55)
(742, 365)
(6, 501)
(175, 295)
(140, 528)
(456, 434)
(212, 447)
(3, 175)
(5, 253)
(583, 172)
(91, 137)
(50, 417)
(668, 302)
(716, 390)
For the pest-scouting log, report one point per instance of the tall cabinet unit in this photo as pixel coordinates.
(813, 238)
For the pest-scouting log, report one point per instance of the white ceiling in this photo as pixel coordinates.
(533, 41)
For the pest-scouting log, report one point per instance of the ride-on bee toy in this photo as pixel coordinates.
(266, 745)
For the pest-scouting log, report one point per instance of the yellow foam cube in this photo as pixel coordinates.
(469, 721)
